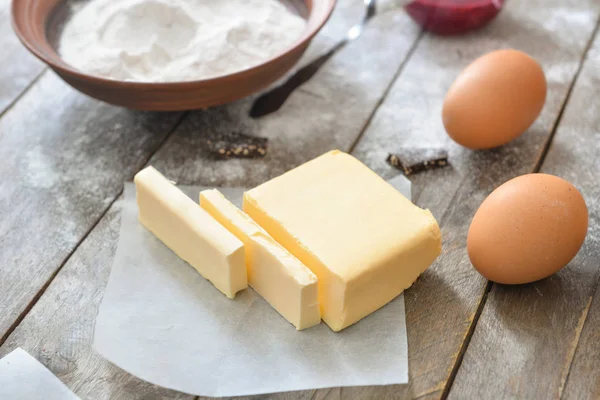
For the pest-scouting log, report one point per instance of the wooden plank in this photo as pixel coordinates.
(575, 155)
(19, 68)
(64, 158)
(181, 172)
(443, 305)
(294, 138)
(527, 335)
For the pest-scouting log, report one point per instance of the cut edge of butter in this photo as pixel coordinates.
(347, 294)
(190, 232)
(227, 214)
(273, 272)
(331, 285)
(284, 282)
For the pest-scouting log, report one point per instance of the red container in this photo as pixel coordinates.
(451, 17)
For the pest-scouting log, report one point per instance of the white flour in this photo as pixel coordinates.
(176, 40)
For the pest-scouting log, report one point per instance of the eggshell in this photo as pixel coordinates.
(494, 100)
(527, 229)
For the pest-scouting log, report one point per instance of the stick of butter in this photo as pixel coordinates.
(190, 232)
(279, 277)
(363, 239)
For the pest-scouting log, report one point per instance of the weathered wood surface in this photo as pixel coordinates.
(528, 335)
(575, 155)
(354, 79)
(64, 159)
(19, 67)
(442, 306)
(83, 138)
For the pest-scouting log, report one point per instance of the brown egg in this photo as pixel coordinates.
(527, 229)
(494, 100)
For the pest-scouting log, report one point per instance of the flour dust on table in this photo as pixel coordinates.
(176, 40)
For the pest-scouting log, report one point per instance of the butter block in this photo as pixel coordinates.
(190, 232)
(275, 274)
(363, 239)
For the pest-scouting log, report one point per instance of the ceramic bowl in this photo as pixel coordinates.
(38, 23)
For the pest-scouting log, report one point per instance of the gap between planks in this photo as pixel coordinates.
(44, 287)
(578, 331)
(387, 90)
(537, 167)
(467, 341)
(558, 120)
(18, 97)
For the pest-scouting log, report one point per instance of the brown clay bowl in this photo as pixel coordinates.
(36, 21)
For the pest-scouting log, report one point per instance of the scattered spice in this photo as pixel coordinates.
(237, 145)
(413, 161)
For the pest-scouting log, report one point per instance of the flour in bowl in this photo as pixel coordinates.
(176, 40)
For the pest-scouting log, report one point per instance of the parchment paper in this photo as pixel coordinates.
(162, 322)
(22, 377)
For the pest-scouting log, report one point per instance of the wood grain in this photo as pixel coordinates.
(64, 158)
(575, 155)
(328, 112)
(442, 306)
(527, 335)
(583, 379)
(19, 68)
(354, 80)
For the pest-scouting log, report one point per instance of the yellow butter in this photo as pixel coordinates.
(190, 232)
(231, 217)
(279, 277)
(286, 283)
(363, 239)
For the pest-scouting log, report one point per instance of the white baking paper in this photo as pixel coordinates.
(22, 377)
(162, 322)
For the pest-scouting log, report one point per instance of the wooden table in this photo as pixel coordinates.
(64, 158)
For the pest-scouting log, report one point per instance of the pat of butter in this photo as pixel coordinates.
(286, 283)
(190, 232)
(363, 239)
(279, 277)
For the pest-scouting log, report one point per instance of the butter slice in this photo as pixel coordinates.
(279, 277)
(363, 239)
(286, 283)
(190, 232)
